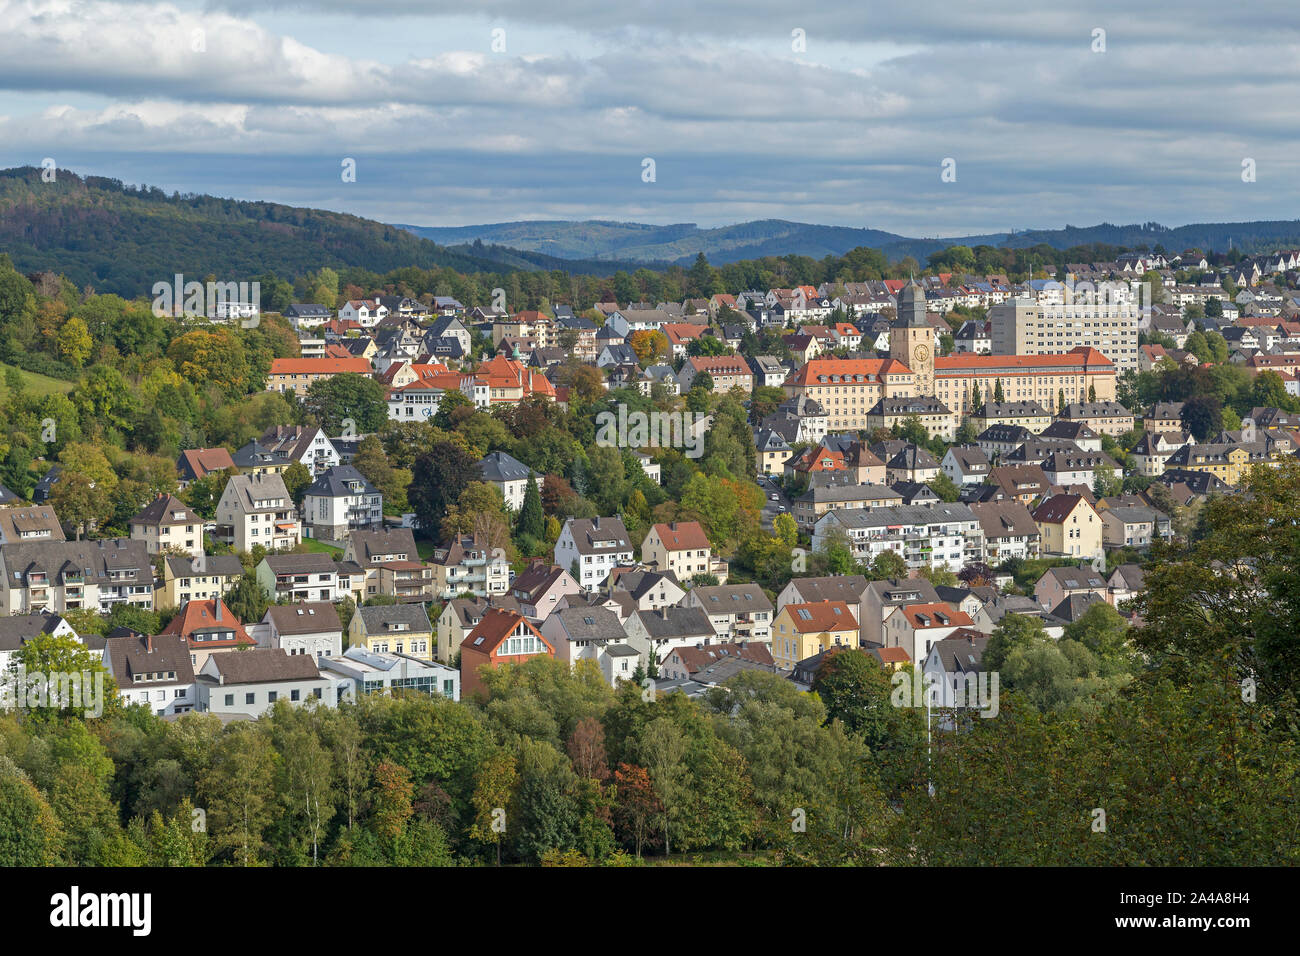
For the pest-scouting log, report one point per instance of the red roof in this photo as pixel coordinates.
(872, 370)
(1086, 358)
(821, 616)
(494, 627)
(683, 536)
(319, 366)
(202, 615)
(202, 461)
(935, 615)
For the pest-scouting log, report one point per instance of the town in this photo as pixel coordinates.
(557, 520)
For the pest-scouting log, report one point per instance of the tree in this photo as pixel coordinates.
(437, 479)
(1105, 483)
(998, 396)
(30, 834)
(944, 487)
(532, 520)
(1203, 416)
(888, 565)
(297, 479)
(75, 342)
(636, 805)
(238, 792)
(650, 345)
(1012, 632)
(493, 784)
(348, 397)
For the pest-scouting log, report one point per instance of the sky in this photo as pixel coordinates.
(842, 113)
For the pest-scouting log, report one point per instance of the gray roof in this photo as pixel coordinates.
(19, 629)
(839, 587)
(310, 617)
(216, 565)
(263, 665)
(893, 592)
(598, 624)
(94, 559)
(732, 598)
(310, 562)
(499, 466)
(959, 654)
(839, 493)
(676, 622)
(337, 482)
(599, 535)
(414, 616)
(1005, 519)
(904, 514)
(165, 653)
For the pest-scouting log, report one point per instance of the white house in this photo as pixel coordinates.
(589, 548)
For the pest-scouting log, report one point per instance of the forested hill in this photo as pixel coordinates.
(117, 238)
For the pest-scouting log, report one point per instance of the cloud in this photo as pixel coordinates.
(1043, 129)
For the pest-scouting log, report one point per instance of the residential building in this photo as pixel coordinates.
(500, 637)
(645, 590)
(60, 576)
(726, 371)
(681, 547)
(880, 598)
(656, 633)
(16, 630)
(966, 465)
(1057, 584)
(593, 634)
(153, 671)
(297, 374)
(592, 547)
(201, 578)
(814, 503)
(208, 628)
(310, 577)
(704, 664)
(1069, 527)
(943, 535)
(248, 684)
(196, 463)
(1103, 417)
(953, 668)
(392, 564)
(312, 628)
(738, 612)
(1026, 413)
(1009, 530)
(508, 475)
(340, 502)
(165, 524)
(539, 588)
(1133, 527)
(29, 524)
(917, 627)
(802, 630)
(467, 563)
(395, 628)
(257, 509)
(305, 444)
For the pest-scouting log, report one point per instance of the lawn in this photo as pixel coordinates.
(34, 383)
(319, 547)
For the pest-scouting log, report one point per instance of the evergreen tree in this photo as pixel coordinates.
(532, 521)
(998, 395)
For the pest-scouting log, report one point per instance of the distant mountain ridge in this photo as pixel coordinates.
(679, 243)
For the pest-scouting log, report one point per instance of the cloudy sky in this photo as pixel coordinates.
(830, 112)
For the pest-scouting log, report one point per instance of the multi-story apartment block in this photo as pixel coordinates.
(392, 564)
(942, 535)
(257, 509)
(341, 501)
(681, 547)
(59, 576)
(34, 523)
(310, 577)
(1025, 327)
(469, 564)
(738, 612)
(297, 374)
(202, 578)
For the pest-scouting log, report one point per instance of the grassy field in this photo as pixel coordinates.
(318, 547)
(33, 383)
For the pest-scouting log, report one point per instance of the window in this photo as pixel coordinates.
(250, 698)
(230, 700)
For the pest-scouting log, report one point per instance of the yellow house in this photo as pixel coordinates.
(802, 630)
(393, 629)
(1069, 527)
(1230, 463)
(202, 578)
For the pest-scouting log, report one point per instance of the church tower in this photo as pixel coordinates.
(911, 339)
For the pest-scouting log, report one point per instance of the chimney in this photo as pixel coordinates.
(148, 643)
(217, 613)
(672, 526)
(595, 522)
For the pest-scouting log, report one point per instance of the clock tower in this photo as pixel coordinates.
(911, 338)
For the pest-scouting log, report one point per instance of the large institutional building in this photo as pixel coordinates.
(850, 388)
(1026, 327)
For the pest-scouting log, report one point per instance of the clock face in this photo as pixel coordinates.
(921, 353)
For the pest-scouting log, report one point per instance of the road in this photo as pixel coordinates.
(772, 508)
